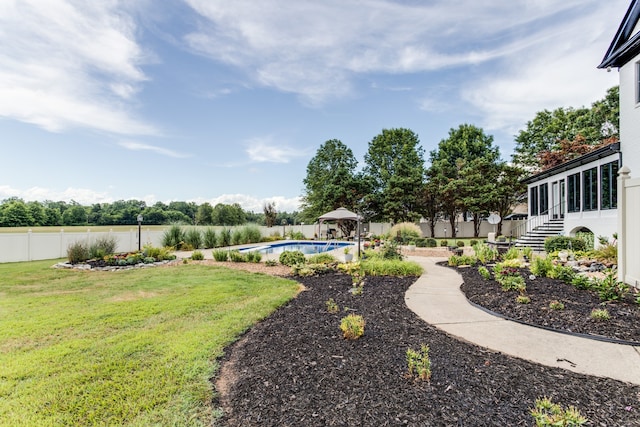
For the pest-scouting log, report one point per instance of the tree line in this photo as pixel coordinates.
(465, 176)
(15, 212)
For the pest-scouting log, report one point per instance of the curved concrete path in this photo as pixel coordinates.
(436, 297)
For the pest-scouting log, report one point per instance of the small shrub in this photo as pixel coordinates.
(332, 307)
(253, 256)
(271, 263)
(607, 253)
(582, 282)
(197, 256)
(419, 363)
(322, 258)
(148, 260)
(310, 269)
(77, 252)
(547, 413)
(385, 267)
(559, 243)
(541, 266)
(159, 254)
(460, 244)
(220, 255)
(556, 305)
(236, 256)
(561, 272)
(103, 246)
(523, 299)
(459, 260)
(513, 283)
(527, 252)
(484, 272)
(421, 243)
(609, 288)
(600, 314)
(587, 238)
(186, 247)
(352, 326)
(514, 263)
(485, 253)
(237, 236)
(444, 243)
(390, 250)
(431, 242)
(224, 237)
(296, 235)
(512, 253)
(193, 238)
(251, 234)
(173, 237)
(473, 242)
(405, 231)
(210, 239)
(291, 258)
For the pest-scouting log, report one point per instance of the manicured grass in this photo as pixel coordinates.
(133, 347)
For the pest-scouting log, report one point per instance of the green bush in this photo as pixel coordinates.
(77, 252)
(484, 272)
(251, 234)
(444, 243)
(193, 238)
(322, 258)
(458, 260)
(485, 253)
(512, 253)
(460, 244)
(197, 256)
(419, 363)
(296, 235)
(473, 242)
(352, 326)
(253, 256)
(224, 237)
(609, 288)
(512, 283)
(386, 267)
(540, 266)
(210, 239)
(561, 272)
(159, 254)
(220, 255)
(291, 258)
(559, 243)
(405, 232)
(582, 282)
(431, 242)
(236, 256)
(237, 236)
(102, 246)
(173, 237)
(390, 250)
(546, 413)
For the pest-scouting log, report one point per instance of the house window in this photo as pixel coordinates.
(573, 193)
(590, 189)
(544, 198)
(533, 201)
(609, 186)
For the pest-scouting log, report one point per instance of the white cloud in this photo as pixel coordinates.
(263, 150)
(315, 49)
(66, 63)
(138, 146)
(251, 203)
(558, 73)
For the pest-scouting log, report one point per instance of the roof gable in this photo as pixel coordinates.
(626, 43)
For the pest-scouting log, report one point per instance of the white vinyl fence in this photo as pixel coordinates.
(31, 246)
(628, 228)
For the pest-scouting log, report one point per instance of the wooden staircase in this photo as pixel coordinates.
(535, 237)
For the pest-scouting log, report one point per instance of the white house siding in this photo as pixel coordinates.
(602, 222)
(630, 118)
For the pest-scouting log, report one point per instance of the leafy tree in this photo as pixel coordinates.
(75, 215)
(187, 208)
(228, 214)
(203, 214)
(331, 181)
(37, 213)
(547, 130)
(155, 215)
(270, 214)
(460, 170)
(395, 170)
(508, 192)
(14, 212)
(430, 204)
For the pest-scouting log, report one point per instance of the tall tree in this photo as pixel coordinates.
(508, 191)
(395, 170)
(460, 170)
(549, 128)
(270, 213)
(331, 181)
(203, 214)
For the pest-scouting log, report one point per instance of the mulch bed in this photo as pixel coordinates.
(295, 369)
(575, 317)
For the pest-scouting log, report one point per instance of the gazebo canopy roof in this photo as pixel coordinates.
(339, 214)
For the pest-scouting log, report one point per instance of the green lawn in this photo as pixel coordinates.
(128, 348)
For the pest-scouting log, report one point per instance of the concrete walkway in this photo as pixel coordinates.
(436, 297)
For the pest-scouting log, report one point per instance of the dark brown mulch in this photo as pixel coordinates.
(575, 317)
(295, 369)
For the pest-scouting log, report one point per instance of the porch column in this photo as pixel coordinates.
(623, 176)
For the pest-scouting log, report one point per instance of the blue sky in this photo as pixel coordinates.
(227, 101)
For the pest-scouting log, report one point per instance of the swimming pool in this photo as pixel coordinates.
(307, 248)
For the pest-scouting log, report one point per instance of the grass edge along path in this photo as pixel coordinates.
(133, 347)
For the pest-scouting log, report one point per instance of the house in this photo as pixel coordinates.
(580, 195)
(624, 54)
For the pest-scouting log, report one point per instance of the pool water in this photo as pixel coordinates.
(307, 248)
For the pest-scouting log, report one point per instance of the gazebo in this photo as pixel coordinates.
(343, 214)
